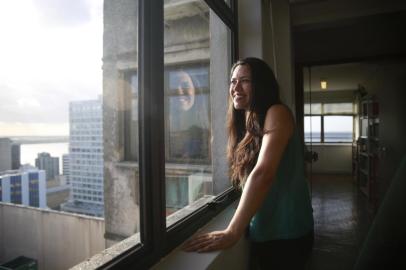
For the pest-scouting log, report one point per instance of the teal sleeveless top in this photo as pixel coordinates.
(286, 212)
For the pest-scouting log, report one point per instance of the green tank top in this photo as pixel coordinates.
(286, 212)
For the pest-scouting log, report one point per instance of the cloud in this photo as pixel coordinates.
(63, 12)
(28, 103)
(43, 67)
(33, 129)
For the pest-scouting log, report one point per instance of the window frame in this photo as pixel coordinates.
(157, 239)
(322, 115)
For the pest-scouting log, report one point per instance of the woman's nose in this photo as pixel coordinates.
(237, 86)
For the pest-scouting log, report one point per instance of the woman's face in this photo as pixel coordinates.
(241, 87)
(186, 91)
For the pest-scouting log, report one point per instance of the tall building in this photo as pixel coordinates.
(15, 156)
(65, 167)
(49, 164)
(5, 154)
(86, 158)
(26, 187)
(9, 155)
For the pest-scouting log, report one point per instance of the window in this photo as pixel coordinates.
(312, 128)
(329, 122)
(133, 94)
(165, 107)
(338, 128)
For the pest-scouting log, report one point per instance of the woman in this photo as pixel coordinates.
(266, 161)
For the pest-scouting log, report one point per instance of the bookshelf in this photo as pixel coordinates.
(366, 149)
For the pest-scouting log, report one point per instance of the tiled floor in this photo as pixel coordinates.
(341, 222)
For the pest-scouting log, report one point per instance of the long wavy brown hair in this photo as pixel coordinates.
(245, 128)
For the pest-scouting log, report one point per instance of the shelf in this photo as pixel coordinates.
(368, 144)
(364, 190)
(364, 171)
(365, 154)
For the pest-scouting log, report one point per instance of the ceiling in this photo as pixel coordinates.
(308, 15)
(339, 77)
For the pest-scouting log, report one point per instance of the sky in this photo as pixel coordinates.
(51, 53)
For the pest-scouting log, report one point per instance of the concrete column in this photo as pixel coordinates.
(220, 55)
(250, 31)
(265, 32)
(283, 63)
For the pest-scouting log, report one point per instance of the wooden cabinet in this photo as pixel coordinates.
(367, 149)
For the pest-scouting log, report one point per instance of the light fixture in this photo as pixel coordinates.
(323, 84)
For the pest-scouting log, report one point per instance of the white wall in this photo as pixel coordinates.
(56, 240)
(265, 32)
(332, 158)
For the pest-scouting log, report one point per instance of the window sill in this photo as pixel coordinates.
(224, 259)
(179, 259)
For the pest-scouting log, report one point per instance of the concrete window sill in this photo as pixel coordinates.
(179, 259)
(232, 258)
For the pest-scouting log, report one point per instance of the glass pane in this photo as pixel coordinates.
(131, 132)
(337, 108)
(197, 60)
(312, 128)
(315, 108)
(338, 128)
(63, 68)
(121, 130)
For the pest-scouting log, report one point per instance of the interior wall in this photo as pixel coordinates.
(333, 159)
(388, 84)
(265, 32)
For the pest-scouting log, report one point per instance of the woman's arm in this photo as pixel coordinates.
(278, 128)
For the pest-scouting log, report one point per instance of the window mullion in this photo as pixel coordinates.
(152, 148)
(223, 11)
(322, 129)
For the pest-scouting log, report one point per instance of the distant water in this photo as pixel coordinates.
(330, 137)
(29, 152)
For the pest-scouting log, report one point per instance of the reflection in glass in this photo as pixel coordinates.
(194, 68)
(188, 129)
(188, 115)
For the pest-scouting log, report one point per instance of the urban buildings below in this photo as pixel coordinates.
(58, 192)
(86, 158)
(49, 164)
(25, 187)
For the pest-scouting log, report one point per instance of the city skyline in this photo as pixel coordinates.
(51, 55)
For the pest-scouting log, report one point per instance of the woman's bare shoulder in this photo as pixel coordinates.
(279, 111)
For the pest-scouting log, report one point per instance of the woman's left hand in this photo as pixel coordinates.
(211, 241)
